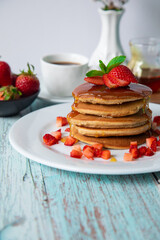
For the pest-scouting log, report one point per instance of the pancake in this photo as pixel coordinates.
(112, 142)
(107, 132)
(92, 121)
(121, 110)
(96, 94)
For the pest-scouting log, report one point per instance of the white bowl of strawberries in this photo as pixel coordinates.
(17, 91)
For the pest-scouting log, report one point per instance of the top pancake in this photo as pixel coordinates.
(97, 94)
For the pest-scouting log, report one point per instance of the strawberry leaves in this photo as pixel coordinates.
(10, 93)
(115, 62)
(106, 69)
(102, 66)
(94, 73)
(30, 70)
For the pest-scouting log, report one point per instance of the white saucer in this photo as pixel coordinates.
(46, 96)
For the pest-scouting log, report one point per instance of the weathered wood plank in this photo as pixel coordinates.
(23, 206)
(103, 207)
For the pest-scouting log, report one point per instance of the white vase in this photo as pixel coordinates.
(109, 45)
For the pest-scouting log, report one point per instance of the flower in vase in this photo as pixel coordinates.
(112, 4)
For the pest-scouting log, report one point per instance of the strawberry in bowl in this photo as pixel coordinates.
(27, 82)
(17, 91)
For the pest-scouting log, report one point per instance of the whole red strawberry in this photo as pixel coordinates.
(113, 75)
(119, 76)
(5, 74)
(27, 82)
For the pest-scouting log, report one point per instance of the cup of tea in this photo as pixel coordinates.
(61, 73)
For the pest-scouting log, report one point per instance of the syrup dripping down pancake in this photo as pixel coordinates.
(95, 94)
(92, 121)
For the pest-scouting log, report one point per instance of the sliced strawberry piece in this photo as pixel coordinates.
(142, 151)
(49, 140)
(88, 152)
(76, 154)
(106, 154)
(135, 153)
(118, 82)
(149, 152)
(154, 146)
(156, 120)
(150, 140)
(98, 146)
(133, 145)
(158, 142)
(67, 130)
(98, 80)
(108, 81)
(128, 157)
(97, 149)
(70, 141)
(122, 72)
(91, 147)
(57, 134)
(97, 152)
(61, 121)
(77, 147)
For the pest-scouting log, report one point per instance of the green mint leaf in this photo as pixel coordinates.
(94, 73)
(115, 62)
(102, 66)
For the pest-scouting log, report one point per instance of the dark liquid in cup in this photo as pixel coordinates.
(151, 78)
(66, 63)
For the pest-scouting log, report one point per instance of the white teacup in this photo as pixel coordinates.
(63, 72)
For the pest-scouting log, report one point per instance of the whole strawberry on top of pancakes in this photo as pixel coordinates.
(111, 107)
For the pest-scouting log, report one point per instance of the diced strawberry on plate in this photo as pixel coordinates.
(135, 153)
(77, 147)
(61, 121)
(156, 120)
(67, 130)
(106, 154)
(150, 140)
(57, 134)
(49, 140)
(133, 145)
(70, 141)
(88, 152)
(76, 154)
(142, 151)
(149, 152)
(128, 157)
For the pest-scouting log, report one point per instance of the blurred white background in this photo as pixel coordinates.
(33, 28)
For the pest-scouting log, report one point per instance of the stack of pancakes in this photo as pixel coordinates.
(113, 117)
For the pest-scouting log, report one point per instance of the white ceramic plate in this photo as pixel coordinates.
(44, 95)
(26, 137)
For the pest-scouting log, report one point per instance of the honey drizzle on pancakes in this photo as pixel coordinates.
(124, 94)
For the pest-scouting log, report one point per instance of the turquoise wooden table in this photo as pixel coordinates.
(42, 203)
